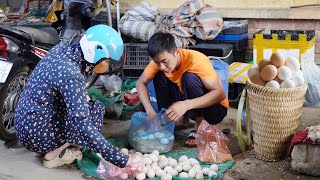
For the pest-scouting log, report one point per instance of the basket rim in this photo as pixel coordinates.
(270, 89)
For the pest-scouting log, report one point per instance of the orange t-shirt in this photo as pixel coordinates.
(191, 61)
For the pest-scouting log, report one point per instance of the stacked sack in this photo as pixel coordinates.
(277, 72)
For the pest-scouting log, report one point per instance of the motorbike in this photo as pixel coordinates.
(22, 47)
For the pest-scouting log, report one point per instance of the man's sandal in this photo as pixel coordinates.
(67, 156)
(192, 135)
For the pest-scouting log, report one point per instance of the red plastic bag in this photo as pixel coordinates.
(131, 99)
(212, 144)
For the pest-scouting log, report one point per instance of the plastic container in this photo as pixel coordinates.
(222, 68)
(300, 44)
(231, 37)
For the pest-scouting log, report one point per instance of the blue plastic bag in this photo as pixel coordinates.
(148, 135)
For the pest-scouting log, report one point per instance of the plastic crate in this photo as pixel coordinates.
(239, 56)
(137, 56)
(237, 44)
(299, 44)
(218, 50)
(235, 27)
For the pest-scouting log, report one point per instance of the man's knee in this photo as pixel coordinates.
(189, 78)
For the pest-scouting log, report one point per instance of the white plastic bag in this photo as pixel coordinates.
(311, 73)
(112, 83)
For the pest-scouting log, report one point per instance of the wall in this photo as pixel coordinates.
(227, 3)
(275, 14)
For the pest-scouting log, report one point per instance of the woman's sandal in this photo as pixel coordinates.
(192, 135)
(67, 156)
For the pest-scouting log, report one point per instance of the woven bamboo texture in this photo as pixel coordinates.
(275, 115)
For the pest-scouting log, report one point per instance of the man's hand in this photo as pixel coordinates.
(151, 114)
(176, 110)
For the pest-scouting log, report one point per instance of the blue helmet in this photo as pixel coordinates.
(101, 41)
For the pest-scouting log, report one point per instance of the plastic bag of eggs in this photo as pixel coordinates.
(277, 72)
(145, 141)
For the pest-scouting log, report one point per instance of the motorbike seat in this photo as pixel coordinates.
(46, 35)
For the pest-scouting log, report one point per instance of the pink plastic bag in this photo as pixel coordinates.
(212, 144)
(109, 171)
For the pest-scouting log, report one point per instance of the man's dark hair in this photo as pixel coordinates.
(161, 42)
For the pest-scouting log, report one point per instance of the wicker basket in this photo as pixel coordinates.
(275, 115)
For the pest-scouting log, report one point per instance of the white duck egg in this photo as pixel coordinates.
(147, 161)
(154, 158)
(162, 157)
(150, 137)
(292, 63)
(132, 151)
(125, 151)
(273, 84)
(167, 169)
(206, 171)
(253, 70)
(160, 173)
(159, 135)
(199, 175)
(173, 172)
(146, 155)
(212, 173)
(156, 168)
(141, 176)
(164, 141)
(166, 177)
(298, 80)
(193, 162)
(287, 84)
(141, 133)
(186, 167)
(138, 154)
(151, 173)
(197, 167)
(214, 167)
(144, 170)
(192, 173)
(284, 73)
(156, 152)
(178, 168)
(154, 164)
(183, 159)
(163, 163)
(173, 162)
(171, 137)
(184, 175)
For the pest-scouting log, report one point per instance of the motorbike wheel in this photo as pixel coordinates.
(10, 95)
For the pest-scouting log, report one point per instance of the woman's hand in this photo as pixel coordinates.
(135, 164)
(176, 110)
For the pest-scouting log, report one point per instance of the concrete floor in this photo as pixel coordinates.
(18, 163)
